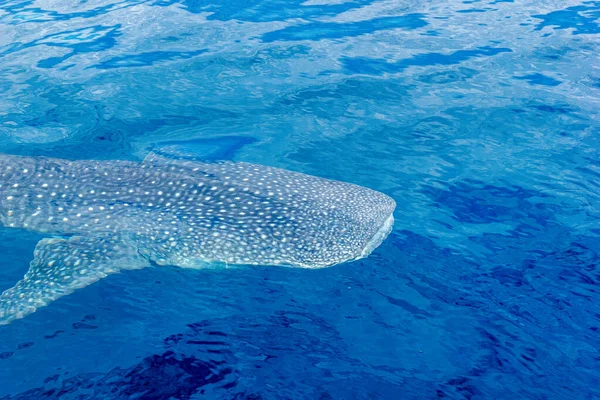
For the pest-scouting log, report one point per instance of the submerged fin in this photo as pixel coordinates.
(205, 150)
(61, 266)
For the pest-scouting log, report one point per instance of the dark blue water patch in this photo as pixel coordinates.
(371, 66)
(84, 40)
(53, 335)
(15, 6)
(554, 53)
(146, 59)
(582, 18)
(160, 376)
(461, 74)
(475, 10)
(412, 309)
(578, 264)
(187, 115)
(234, 358)
(52, 378)
(476, 202)
(260, 11)
(567, 279)
(558, 108)
(330, 30)
(173, 39)
(82, 325)
(422, 251)
(539, 79)
(576, 120)
(506, 305)
(508, 276)
(21, 12)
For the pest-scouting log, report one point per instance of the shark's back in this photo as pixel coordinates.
(185, 210)
(244, 213)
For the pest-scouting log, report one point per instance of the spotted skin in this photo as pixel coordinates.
(111, 215)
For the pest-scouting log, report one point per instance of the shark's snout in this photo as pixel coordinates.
(349, 232)
(380, 224)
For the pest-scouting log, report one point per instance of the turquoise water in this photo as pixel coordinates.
(480, 118)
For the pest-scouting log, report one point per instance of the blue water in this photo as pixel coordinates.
(480, 118)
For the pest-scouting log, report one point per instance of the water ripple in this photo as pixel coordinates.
(377, 67)
(581, 18)
(318, 31)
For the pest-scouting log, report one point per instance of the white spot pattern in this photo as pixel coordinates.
(183, 211)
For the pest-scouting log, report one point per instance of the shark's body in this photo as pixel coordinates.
(104, 216)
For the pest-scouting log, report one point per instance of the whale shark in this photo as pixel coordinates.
(101, 217)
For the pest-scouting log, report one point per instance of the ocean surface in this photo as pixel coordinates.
(480, 118)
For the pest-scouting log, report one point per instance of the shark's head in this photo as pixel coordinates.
(269, 216)
(346, 230)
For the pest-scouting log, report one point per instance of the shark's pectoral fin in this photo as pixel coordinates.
(61, 266)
